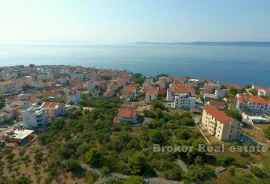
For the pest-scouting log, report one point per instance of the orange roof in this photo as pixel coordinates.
(250, 98)
(32, 99)
(131, 86)
(51, 93)
(50, 105)
(219, 115)
(265, 89)
(9, 82)
(127, 113)
(108, 92)
(77, 85)
(183, 89)
(215, 103)
(171, 78)
(127, 92)
(151, 92)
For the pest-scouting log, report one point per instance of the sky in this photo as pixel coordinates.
(125, 21)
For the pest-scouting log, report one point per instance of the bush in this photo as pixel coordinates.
(231, 170)
(135, 180)
(72, 165)
(256, 171)
(224, 160)
(173, 174)
(114, 181)
(197, 173)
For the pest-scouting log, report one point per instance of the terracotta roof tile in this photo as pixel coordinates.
(219, 115)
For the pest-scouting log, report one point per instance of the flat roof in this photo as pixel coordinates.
(21, 134)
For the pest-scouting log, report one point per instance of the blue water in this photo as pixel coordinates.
(231, 64)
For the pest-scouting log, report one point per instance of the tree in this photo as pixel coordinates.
(224, 160)
(233, 91)
(93, 157)
(57, 124)
(135, 180)
(105, 78)
(234, 114)
(75, 114)
(253, 92)
(148, 113)
(72, 165)
(114, 181)
(156, 137)
(136, 163)
(197, 173)
(2, 101)
(267, 132)
(138, 78)
(157, 104)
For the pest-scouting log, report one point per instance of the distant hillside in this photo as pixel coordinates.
(240, 43)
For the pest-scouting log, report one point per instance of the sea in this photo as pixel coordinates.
(231, 63)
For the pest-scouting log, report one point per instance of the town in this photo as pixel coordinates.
(36, 99)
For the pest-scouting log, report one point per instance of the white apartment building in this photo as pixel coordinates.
(181, 97)
(252, 103)
(184, 101)
(73, 96)
(264, 92)
(33, 116)
(220, 125)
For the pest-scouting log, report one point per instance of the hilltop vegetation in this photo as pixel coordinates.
(87, 146)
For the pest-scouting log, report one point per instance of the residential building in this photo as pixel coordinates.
(184, 101)
(264, 92)
(64, 79)
(73, 96)
(44, 77)
(149, 79)
(127, 94)
(10, 87)
(127, 114)
(146, 86)
(251, 103)
(19, 136)
(150, 95)
(53, 109)
(91, 85)
(180, 97)
(216, 104)
(163, 82)
(108, 93)
(77, 74)
(220, 93)
(214, 83)
(208, 97)
(131, 87)
(220, 125)
(33, 116)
